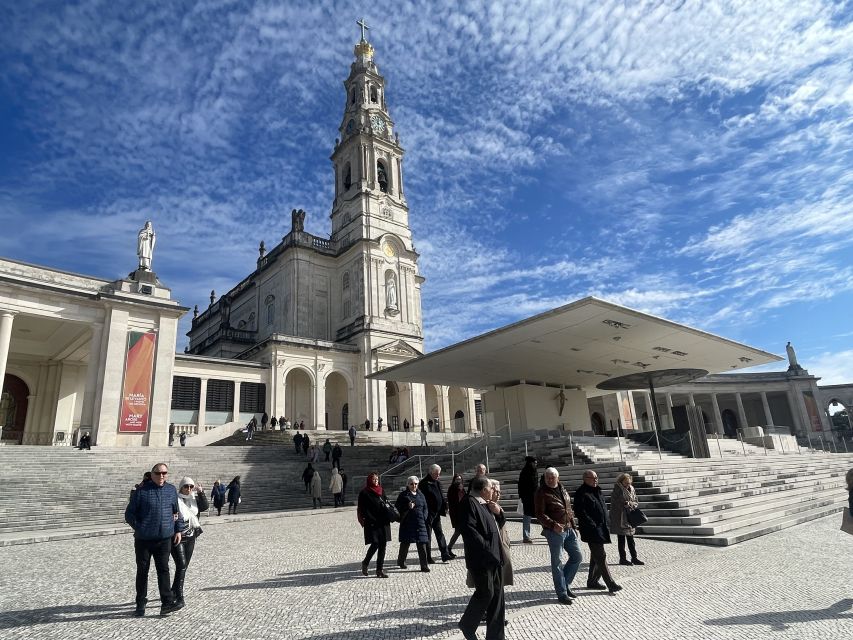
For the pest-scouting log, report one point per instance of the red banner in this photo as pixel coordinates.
(138, 372)
(812, 410)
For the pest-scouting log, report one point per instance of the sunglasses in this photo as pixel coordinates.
(191, 486)
(159, 473)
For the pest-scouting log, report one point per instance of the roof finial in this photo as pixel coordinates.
(361, 23)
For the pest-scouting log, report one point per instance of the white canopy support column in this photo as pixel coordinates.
(202, 406)
(741, 414)
(6, 320)
(768, 417)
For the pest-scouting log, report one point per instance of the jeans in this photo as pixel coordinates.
(525, 526)
(160, 549)
(563, 575)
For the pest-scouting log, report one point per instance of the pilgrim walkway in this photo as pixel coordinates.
(298, 576)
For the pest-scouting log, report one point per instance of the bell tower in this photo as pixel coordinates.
(370, 212)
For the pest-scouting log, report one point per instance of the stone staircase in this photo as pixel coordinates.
(59, 487)
(746, 493)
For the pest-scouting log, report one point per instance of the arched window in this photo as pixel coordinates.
(347, 176)
(382, 176)
(374, 94)
(351, 96)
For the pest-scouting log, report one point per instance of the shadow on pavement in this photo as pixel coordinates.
(66, 613)
(780, 620)
(303, 578)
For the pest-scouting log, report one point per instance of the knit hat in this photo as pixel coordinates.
(185, 481)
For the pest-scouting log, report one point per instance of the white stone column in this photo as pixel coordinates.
(471, 413)
(650, 412)
(718, 417)
(796, 416)
(235, 413)
(6, 320)
(768, 417)
(444, 407)
(87, 414)
(669, 411)
(202, 406)
(320, 402)
(740, 412)
(691, 399)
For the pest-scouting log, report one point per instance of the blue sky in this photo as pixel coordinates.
(688, 159)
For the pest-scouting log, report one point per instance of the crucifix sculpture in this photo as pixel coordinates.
(361, 23)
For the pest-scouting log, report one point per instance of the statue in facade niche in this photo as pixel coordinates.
(297, 220)
(391, 292)
(145, 245)
(793, 365)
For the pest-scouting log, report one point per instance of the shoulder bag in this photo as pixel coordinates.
(635, 517)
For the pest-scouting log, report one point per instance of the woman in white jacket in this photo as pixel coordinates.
(336, 486)
(191, 502)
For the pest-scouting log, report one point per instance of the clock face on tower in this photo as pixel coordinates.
(378, 123)
(389, 250)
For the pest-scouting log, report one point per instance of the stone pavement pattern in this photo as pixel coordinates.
(298, 577)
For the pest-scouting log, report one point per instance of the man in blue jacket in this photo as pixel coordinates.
(156, 520)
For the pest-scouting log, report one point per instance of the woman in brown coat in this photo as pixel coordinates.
(624, 499)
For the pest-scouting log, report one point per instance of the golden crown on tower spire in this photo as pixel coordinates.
(363, 49)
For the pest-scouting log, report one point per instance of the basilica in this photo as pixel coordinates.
(324, 312)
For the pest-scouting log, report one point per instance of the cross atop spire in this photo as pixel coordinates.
(361, 23)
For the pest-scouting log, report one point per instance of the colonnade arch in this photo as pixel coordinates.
(337, 401)
(298, 396)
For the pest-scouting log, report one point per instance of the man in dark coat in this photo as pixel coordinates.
(306, 442)
(156, 520)
(591, 512)
(307, 476)
(484, 559)
(352, 435)
(297, 441)
(437, 507)
(528, 482)
(337, 452)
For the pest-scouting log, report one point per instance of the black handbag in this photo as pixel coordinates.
(635, 517)
(393, 514)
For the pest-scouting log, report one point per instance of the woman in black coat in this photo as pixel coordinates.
(528, 482)
(233, 495)
(413, 509)
(455, 496)
(375, 516)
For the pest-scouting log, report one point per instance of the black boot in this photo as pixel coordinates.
(140, 608)
(178, 590)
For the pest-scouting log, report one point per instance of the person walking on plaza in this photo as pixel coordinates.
(297, 442)
(306, 442)
(183, 438)
(336, 487)
(250, 429)
(500, 518)
(413, 510)
(191, 502)
(591, 511)
(337, 452)
(327, 449)
(352, 434)
(171, 434)
(484, 559)
(528, 483)
(374, 515)
(623, 499)
(553, 510)
(423, 435)
(273, 423)
(479, 472)
(455, 496)
(307, 474)
(264, 419)
(155, 518)
(315, 454)
(218, 495)
(234, 498)
(316, 489)
(436, 508)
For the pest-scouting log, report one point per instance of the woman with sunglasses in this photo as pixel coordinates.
(191, 502)
(413, 509)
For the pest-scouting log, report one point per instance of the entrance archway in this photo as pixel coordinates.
(458, 401)
(13, 408)
(392, 405)
(337, 391)
(597, 423)
(459, 422)
(297, 397)
(432, 409)
(729, 423)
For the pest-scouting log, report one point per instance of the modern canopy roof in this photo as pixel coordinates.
(576, 346)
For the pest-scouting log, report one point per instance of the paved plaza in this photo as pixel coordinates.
(298, 577)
